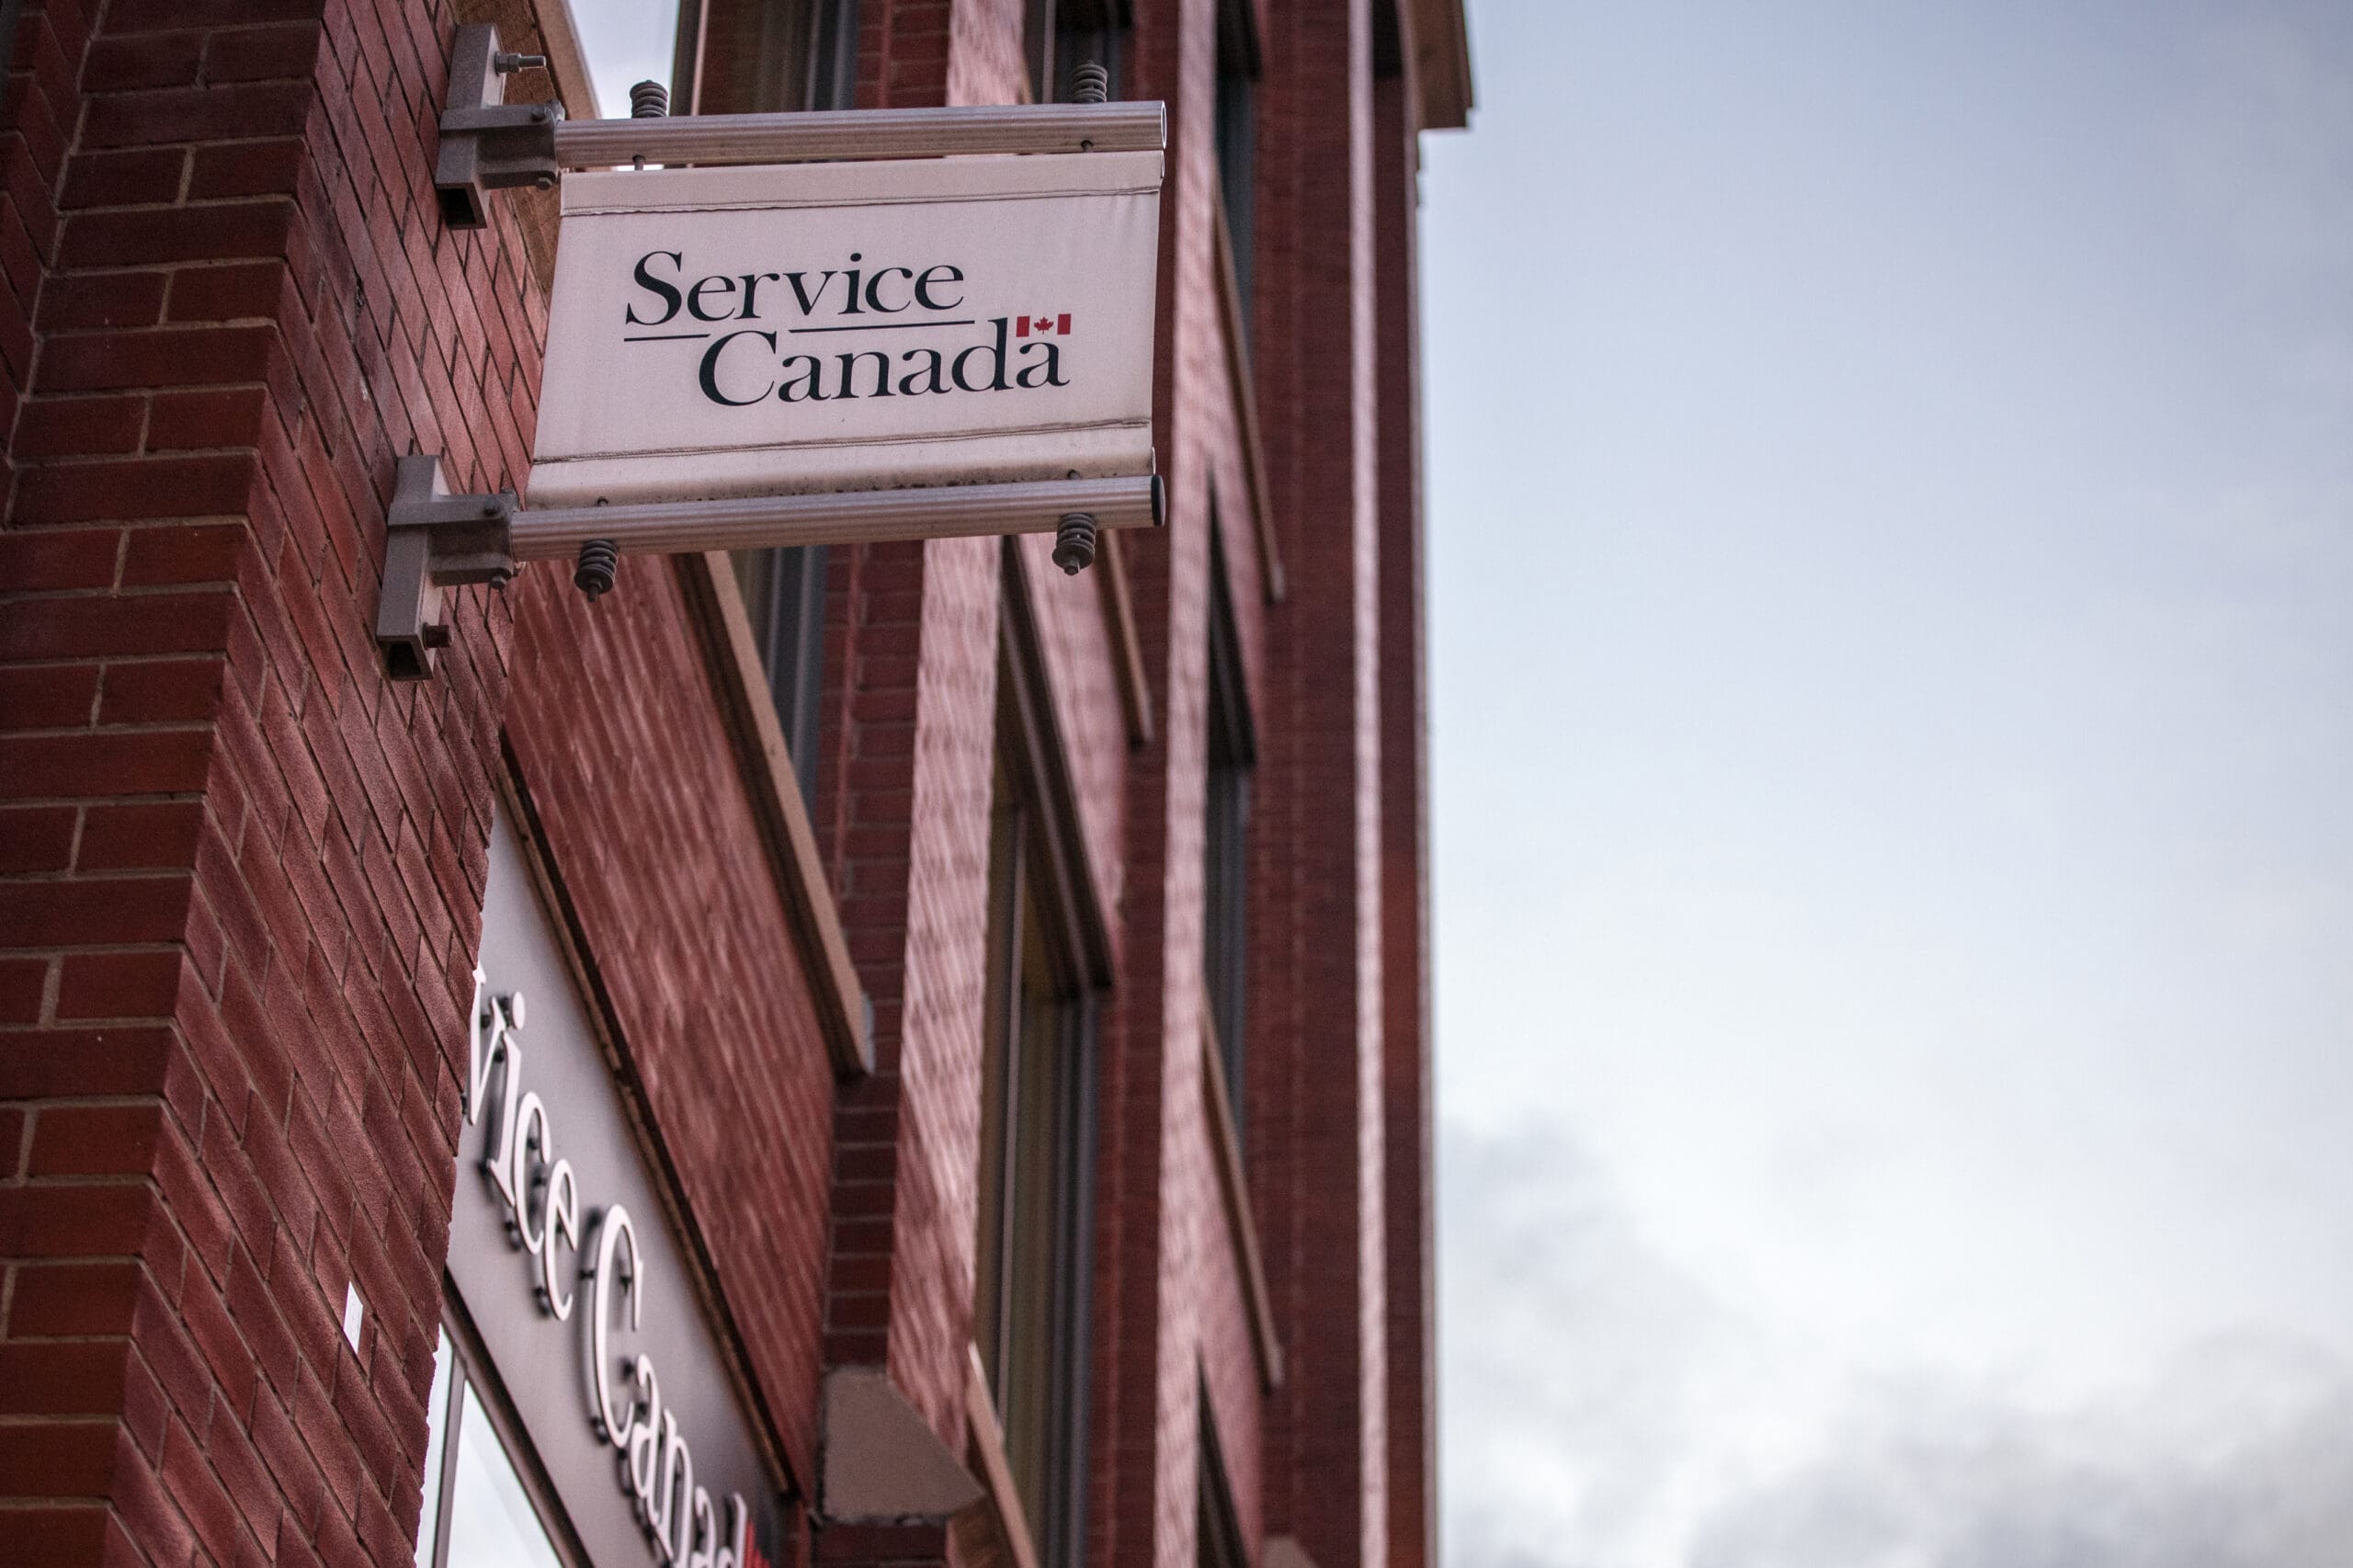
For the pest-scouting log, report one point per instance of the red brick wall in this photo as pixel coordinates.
(1405, 850)
(245, 872)
(1315, 1127)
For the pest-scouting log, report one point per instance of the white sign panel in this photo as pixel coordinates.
(791, 329)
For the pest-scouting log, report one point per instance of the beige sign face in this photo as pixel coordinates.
(850, 326)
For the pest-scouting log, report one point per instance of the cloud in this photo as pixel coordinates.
(1578, 1361)
(1605, 1408)
(2239, 1456)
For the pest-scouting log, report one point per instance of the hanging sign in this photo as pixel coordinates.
(562, 1250)
(789, 329)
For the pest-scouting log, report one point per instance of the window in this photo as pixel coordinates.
(1237, 139)
(1045, 968)
(479, 1513)
(784, 590)
(1061, 35)
(743, 56)
(721, 56)
(1217, 1537)
(1225, 837)
(784, 596)
(833, 56)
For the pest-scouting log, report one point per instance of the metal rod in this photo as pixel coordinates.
(862, 133)
(753, 522)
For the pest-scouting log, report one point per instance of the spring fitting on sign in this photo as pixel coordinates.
(600, 558)
(593, 574)
(1090, 83)
(1074, 542)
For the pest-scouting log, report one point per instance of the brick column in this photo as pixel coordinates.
(1316, 1125)
(244, 872)
(1404, 841)
(904, 819)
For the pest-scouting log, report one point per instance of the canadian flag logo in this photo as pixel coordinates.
(1043, 326)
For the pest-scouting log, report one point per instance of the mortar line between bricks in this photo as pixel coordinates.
(108, 208)
(85, 1102)
(221, 585)
(121, 1338)
(75, 662)
(107, 1178)
(109, 872)
(136, 727)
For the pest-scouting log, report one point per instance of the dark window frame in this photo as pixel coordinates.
(784, 600)
(1216, 1541)
(1239, 65)
(807, 53)
(1057, 35)
(471, 1367)
(1044, 923)
(1231, 757)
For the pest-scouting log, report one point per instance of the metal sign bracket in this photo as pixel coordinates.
(433, 540)
(488, 144)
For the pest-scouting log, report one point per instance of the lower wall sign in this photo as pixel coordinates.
(562, 1252)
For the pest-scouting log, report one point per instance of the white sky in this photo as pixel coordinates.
(1891, 499)
(626, 41)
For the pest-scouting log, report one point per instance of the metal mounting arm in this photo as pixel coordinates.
(433, 540)
(487, 144)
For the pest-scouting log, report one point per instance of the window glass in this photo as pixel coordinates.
(627, 41)
(784, 598)
(492, 1522)
(1217, 1535)
(833, 63)
(437, 1415)
(477, 1513)
(1225, 842)
(1237, 135)
(1237, 142)
(1037, 1142)
(1058, 36)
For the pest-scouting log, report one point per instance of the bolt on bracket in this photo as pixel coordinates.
(435, 540)
(488, 143)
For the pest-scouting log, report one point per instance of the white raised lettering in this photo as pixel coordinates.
(611, 1275)
(560, 1211)
(530, 1149)
(646, 1448)
(499, 1157)
(739, 1526)
(486, 1033)
(675, 1492)
(703, 1538)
